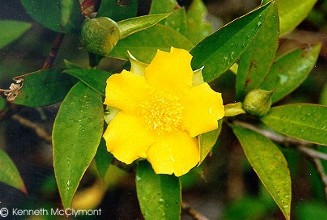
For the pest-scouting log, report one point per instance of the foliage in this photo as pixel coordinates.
(254, 46)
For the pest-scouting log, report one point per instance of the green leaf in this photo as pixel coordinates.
(102, 159)
(76, 136)
(60, 15)
(198, 28)
(309, 210)
(118, 10)
(177, 19)
(290, 70)
(144, 44)
(11, 31)
(207, 141)
(323, 95)
(247, 208)
(9, 173)
(221, 50)
(71, 65)
(269, 164)
(3, 103)
(95, 79)
(44, 87)
(132, 25)
(159, 195)
(256, 61)
(159, 6)
(292, 13)
(303, 121)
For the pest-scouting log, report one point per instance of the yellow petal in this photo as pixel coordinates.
(170, 71)
(174, 152)
(203, 108)
(125, 90)
(127, 138)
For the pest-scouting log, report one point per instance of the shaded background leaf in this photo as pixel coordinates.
(292, 13)
(290, 70)
(208, 140)
(9, 173)
(58, 15)
(177, 20)
(197, 26)
(103, 159)
(118, 10)
(12, 30)
(76, 136)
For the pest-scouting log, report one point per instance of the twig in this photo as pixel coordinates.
(54, 51)
(273, 136)
(313, 153)
(37, 129)
(320, 169)
(196, 215)
(51, 56)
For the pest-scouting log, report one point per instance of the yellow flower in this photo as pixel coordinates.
(162, 110)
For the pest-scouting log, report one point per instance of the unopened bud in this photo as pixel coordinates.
(257, 102)
(100, 35)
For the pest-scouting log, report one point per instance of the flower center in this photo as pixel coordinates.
(162, 112)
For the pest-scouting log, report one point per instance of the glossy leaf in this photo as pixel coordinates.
(118, 10)
(256, 61)
(159, 195)
(207, 141)
(303, 121)
(177, 20)
(197, 26)
(11, 31)
(269, 164)
(58, 15)
(102, 158)
(95, 79)
(292, 13)
(290, 70)
(44, 87)
(159, 6)
(9, 173)
(143, 45)
(132, 25)
(76, 136)
(222, 49)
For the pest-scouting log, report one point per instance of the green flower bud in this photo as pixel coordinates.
(257, 102)
(100, 35)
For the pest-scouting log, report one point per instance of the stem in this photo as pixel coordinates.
(320, 169)
(196, 215)
(35, 127)
(53, 51)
